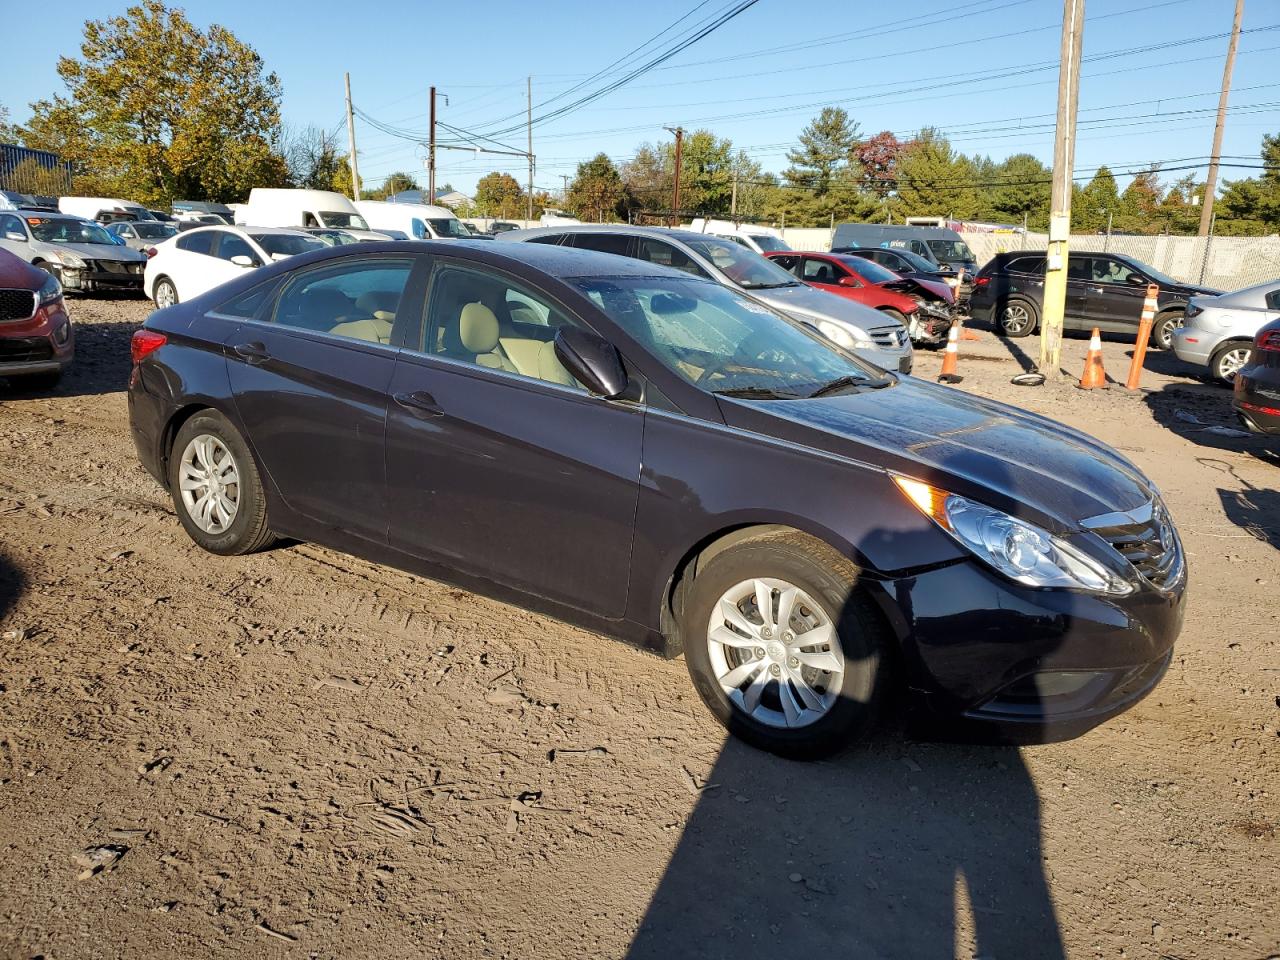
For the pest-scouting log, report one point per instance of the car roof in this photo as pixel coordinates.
(628, 229)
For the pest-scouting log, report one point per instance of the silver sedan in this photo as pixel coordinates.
(1218, 331)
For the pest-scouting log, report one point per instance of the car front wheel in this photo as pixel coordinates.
(1162, 335)
(783, 646)
(216, 487)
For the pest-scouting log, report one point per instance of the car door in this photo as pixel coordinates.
(13, 236)
(1114, 294)
(823, 274)
(196, 267)
(1075, 310)
(499, 463)
(789, 262)
(310, 374)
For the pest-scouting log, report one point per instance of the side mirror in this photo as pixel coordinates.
(1136, 279)
(847, 281)
(15, 235)
(593, 361)
(241, 260)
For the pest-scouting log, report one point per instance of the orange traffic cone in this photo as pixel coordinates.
(951, 358)
(1094, 375)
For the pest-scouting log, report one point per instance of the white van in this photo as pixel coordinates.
(760, 239)
(103, 209)
(308, 209)
(419, 221)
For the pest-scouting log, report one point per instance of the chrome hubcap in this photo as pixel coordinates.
(209, 482)
(1232, 361)
(775, 653)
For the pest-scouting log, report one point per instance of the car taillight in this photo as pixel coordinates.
(1268, 340)
(150, 252)
(145, 343)
(981, 281)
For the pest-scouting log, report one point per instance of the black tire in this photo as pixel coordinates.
(248, 531)
(1222, 357)
(1018, 318)
(38, 382)
(1162, 331)
(168, 285)
(832, 582)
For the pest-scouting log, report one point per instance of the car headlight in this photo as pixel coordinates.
(851, 338)
(1019, 550)
(49, 291)
(69, 259)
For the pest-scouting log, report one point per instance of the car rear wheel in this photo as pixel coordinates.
(1229, 358)
(1018, 318)
(783, 646)
(216, 487)
(165, 294)
(1166, 323)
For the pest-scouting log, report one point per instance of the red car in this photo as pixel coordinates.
(36, 339)
(923, 306)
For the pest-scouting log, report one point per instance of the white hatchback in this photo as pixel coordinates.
(198, 260)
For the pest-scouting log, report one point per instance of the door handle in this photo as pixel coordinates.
(254, 353)
(419, 403)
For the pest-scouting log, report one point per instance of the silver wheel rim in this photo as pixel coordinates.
(1015, 318)
(209, 482)
(165, 296)
(775, 653)
(1229, 363)
(1165, 332)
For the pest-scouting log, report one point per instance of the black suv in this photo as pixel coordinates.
(1104, 290)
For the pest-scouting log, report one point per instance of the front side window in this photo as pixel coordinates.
(717, 339)
(820, 271)
(665, 255)
(951, 251)
(615, 243)
(419, 229)
(356, 299)
(281, 245)
(449, 227)
(11, 224)
(744, 267)
(490, 321)
(1111, 270)
(234, 245)
(66, 230)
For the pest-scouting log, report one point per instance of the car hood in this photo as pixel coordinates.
(804, 301)
(1014, 460)
(99, 251)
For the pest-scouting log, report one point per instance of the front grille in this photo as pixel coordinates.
(17, 305)
(25, 350)
(1146, 538)
(115, 266)
(891, 338)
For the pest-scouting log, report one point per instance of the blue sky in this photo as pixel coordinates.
(982, 70)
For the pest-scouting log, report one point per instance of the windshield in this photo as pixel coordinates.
(154, 231)
(869, 270)
(744, 267)
(722, 341)
(768, 242)
(449, 227)
(1156, 275)
(353, 220)
(951, 251)
(286, 244)
(917, 262)
(68, 231)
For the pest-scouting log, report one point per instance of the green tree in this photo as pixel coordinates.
(1252, 206)
(314, 161)
(597, 192)
(648, 179)
(8, 132)
(826, 146)
(934, 180)
(1091, 205)
(499, 195)
(1179, 210)
(157, 109)
(1022, 190)
(395, 183)
(1140, 204)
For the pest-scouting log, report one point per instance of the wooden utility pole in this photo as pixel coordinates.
(431, 151)
(1064, 150)
(1211, 183)
(733, 200)
(528, 89)
(351, 142)
(675, 184)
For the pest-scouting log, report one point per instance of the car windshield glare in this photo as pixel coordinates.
(744, 267)
(768, 242)
(916, 261)
(285, 244)
(353, 220)
(948, 250)
(64, 230)
(154, 231)
(449, 227)
(722, 341)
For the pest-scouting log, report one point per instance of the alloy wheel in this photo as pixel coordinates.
(209, 482)
(166, 296)
(775, 652)
(1230, 362)
(1015, 318)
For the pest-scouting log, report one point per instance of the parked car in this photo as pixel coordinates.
(103, 209)
(942, 247)
(80, 253)
(841, 274)
(12, 200)
(37, 340)
(502, 226)
(1256, 396)
(196, 209)
(1218, 332)
(753, 237)
(162, 216)
(1104, 290)
(874, 336)
(418, 220)
(142, 234)
(709, 477)
(474, 232)
(333, 237)
(198, 260)
(189, 221)
(914, 267)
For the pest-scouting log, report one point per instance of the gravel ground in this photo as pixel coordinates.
(300, 754)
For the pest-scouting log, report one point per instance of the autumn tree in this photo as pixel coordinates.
(877, 159)
(597, 191)
(314, 159)
(8, 132)
(156, 109)
(1091, 203)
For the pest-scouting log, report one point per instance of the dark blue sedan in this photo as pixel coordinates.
(659, 458)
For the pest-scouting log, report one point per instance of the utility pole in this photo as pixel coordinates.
(564, 195)
(1211, 183)
(1064, 150)
(431, 152)
(675, 185)
(529, 126)
(733, 200)
(351, 142)
(1106, 244)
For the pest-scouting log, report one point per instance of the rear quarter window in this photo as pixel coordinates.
(201, 242)
(1028, 265)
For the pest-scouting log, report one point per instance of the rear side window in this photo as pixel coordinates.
(664, 254)
(358, 300)
(614, 243)
(201, 242)
(1031, 265)
(552, 239)
(246, 305)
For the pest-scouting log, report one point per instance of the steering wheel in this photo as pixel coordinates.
(751, 349)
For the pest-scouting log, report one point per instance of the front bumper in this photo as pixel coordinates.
(989, 660)
(45, 343)
(101, 275)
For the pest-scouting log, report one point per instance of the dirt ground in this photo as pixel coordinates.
(300, 754)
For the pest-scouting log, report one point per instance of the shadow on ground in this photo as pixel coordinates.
(1202, 414)
(101, 364)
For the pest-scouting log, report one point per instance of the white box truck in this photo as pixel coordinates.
(418, 221)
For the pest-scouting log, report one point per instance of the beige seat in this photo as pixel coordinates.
(373, 329)
(478, 331)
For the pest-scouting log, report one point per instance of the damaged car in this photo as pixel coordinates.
(81, 254)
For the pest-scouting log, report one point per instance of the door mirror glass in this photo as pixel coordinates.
(14, 235)
(241, 260)
(1136, 279)
(592, 360)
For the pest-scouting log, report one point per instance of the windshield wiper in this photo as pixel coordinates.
(843, 383)
(755, 393)
(771, 286)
